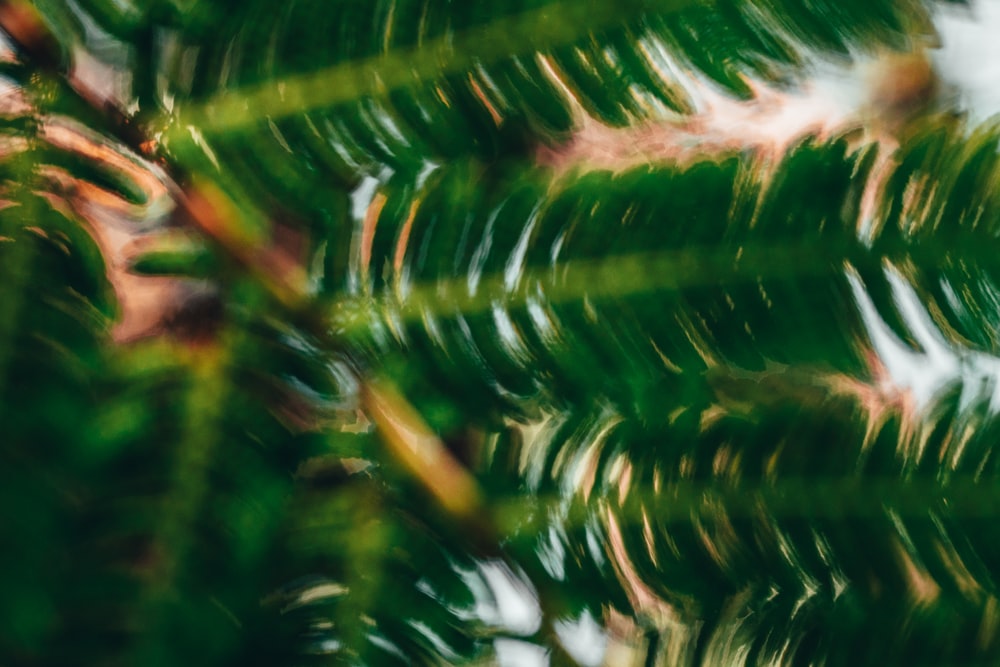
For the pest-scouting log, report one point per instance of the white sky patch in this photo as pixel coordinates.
(926, 372)
(969, 57)
(516, 606)
(584, 639)
(923, 372)
(514, 653)
(551, 552)
(362, 195)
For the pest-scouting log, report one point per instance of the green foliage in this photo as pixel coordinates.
(729, 410)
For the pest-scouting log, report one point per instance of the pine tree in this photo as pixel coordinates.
(687, 402)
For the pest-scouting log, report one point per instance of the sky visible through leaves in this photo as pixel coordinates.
(450, 347)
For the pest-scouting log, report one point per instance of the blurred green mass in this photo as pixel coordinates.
(732, 410)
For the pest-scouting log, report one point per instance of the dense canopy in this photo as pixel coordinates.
(413, 395)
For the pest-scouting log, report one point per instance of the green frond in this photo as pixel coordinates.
(806, 532)
(175, 503)
(529, 291)
(320, 93)
(689, 364)
(55, 309)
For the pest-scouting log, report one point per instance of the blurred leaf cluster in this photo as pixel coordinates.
(425, 400)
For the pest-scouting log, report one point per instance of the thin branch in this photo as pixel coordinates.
(610, 278)
(415, 446)
(541, 29)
